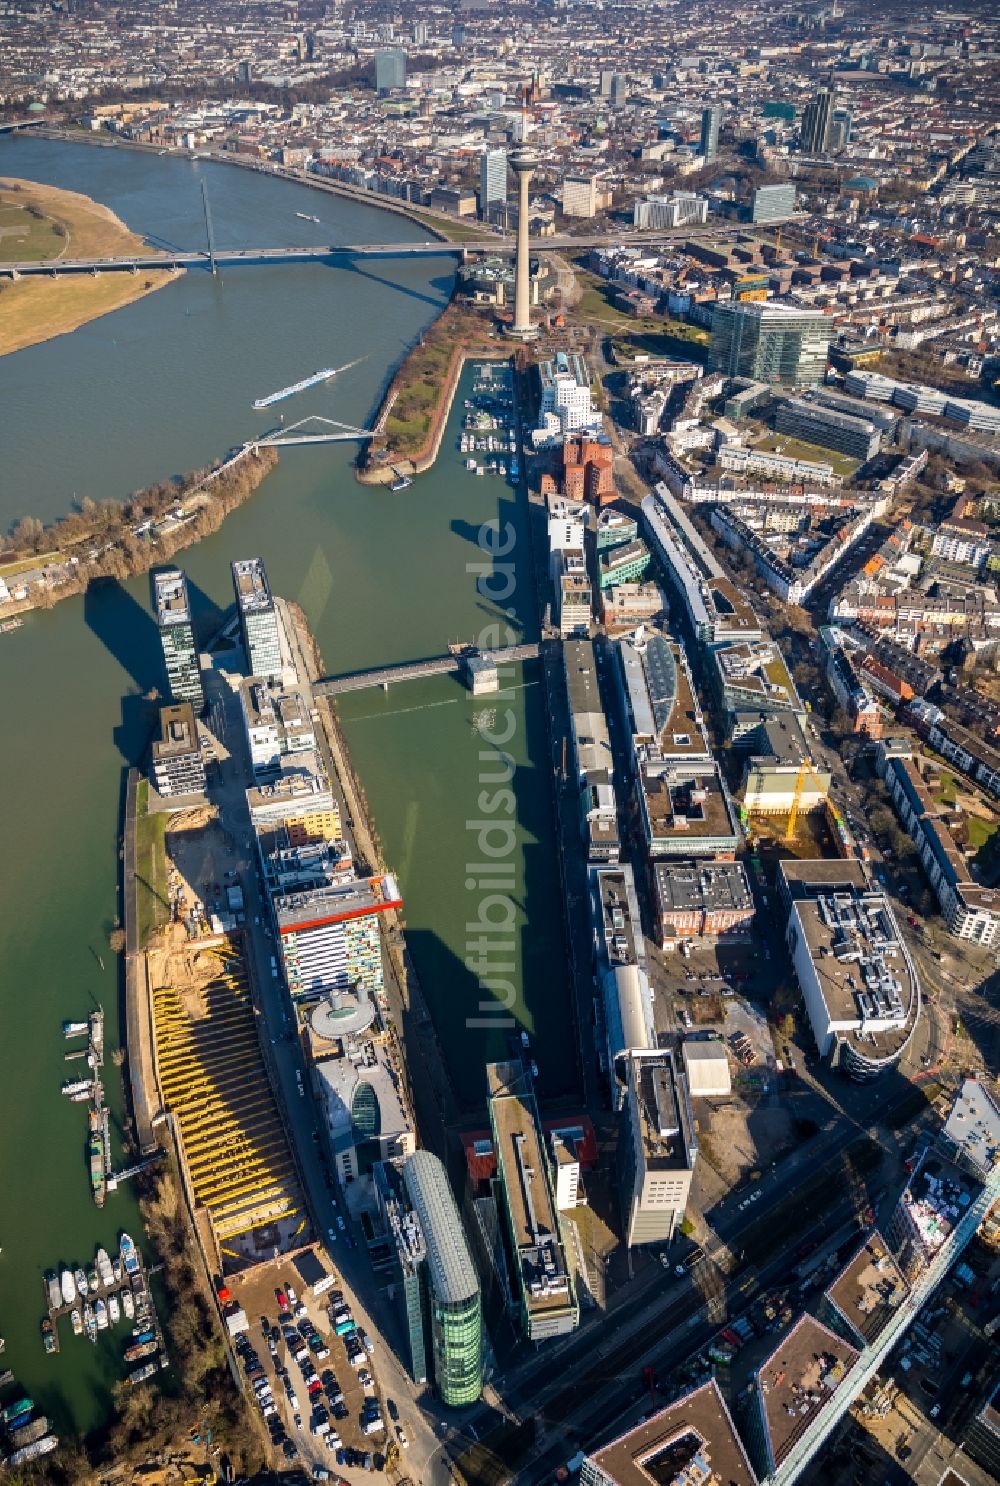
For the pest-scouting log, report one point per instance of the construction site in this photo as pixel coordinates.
(799, 822)
(235, 1156)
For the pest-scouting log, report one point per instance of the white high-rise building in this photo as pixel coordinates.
(658, 1165)
(258, 619)
(492, 179)
(658, 212)
(569, 402)
(579, 197)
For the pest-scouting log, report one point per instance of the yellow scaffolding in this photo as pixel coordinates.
(214, 1081)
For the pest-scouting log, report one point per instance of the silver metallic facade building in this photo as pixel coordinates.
(774, 343)
(404, 1229)
(180, 651)
(842, 432)
(772, 203)
(258, 619)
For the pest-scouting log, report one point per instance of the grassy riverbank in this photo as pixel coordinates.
(113, 540)
(43, 224)
(417, 397)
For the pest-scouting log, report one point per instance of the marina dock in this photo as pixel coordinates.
(98, 1119)
(100, 1288)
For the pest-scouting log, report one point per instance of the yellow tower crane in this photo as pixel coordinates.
(805, 768)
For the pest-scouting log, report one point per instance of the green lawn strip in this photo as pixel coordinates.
(980, 831)
(797, 449)
(11, 569)
(460, 231)
(152, 904)
(25, 238)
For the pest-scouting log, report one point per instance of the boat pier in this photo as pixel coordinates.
(92, 1089)
(115, 1178)
(144, 1318)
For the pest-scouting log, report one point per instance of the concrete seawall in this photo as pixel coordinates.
(138, 1023)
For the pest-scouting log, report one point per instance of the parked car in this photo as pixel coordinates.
(689, 1261)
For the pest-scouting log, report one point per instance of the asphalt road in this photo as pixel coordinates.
(609, 1394)
(289, 1076)
(654, 1318)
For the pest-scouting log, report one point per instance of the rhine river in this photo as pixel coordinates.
(157, 388)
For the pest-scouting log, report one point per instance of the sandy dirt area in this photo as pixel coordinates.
(736, 1139)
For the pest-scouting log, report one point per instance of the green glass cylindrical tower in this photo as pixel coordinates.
(454, 1303)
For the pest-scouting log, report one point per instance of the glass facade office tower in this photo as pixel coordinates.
(258, 619)
(711, 118)
(773, 343)
(453, 1299)
(390, 69)
(180, 652)
(816, 120)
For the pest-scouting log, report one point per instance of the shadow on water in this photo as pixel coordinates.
(133, 733)
(130, 636)
(126, 630)
(207, 615)
(472, 1027)
(505, 618)
(526, 964)
(471, 531)
(437, 301)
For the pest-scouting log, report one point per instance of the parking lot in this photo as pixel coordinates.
(312, 1372)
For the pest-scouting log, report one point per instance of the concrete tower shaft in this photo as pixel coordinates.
(522, 163)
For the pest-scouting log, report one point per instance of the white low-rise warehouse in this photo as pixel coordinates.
(706, 1064)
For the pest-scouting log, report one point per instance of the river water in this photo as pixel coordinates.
(157, 388)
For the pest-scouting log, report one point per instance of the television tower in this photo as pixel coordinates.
(522, 163)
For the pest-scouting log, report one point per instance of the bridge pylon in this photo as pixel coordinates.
(208, 227)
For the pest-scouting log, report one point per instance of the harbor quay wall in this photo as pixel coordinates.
(138, 1012)
(423, 460)
(429, 1089)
